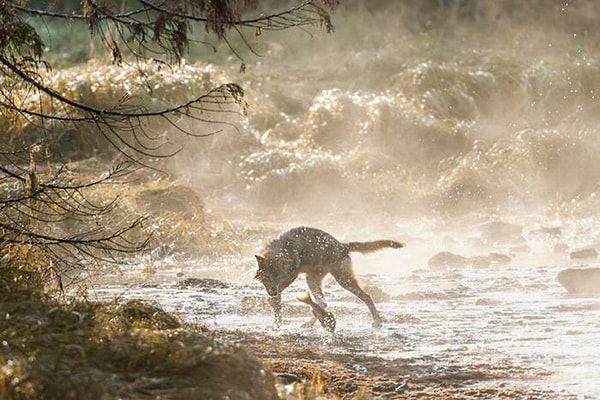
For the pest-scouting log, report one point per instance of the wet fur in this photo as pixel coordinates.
(315, 253)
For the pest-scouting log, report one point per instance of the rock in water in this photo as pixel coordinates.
(580, 280)
(204, 284)
(377, 294)
(445, 259)
(579, 254)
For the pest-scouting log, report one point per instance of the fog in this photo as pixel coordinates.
(400, 115)
(472, 132)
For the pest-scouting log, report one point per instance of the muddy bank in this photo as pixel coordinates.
(354, 375)
(53, 349)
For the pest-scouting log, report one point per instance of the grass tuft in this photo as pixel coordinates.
(56, 350)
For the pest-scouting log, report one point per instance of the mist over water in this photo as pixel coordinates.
(445, 119)
(434, 129)
(388, 119)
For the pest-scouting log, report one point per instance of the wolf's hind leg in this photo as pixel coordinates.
(344, 275)
(315, 287)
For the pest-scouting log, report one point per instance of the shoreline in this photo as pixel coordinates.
(351, 375)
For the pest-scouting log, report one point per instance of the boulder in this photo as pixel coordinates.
(499, 258)
(479, 261)
(580, 280)
(377, 294)
(579, 254)
(446, 259)
(202, 283)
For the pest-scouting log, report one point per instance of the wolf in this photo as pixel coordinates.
(315, 253)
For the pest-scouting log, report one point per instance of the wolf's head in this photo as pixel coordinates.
(275, 272)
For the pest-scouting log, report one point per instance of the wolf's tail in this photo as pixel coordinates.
(370, 247)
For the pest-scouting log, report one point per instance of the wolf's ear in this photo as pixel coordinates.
(260, 259)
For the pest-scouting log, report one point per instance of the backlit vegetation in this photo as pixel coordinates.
(87, 129)
(73, 141)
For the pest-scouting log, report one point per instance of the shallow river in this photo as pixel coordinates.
(514, 314)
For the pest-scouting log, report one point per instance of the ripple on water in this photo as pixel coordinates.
(513, 316)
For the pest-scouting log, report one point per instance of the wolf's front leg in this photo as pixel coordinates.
(275, 302)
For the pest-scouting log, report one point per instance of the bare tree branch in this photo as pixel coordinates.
(43, 206)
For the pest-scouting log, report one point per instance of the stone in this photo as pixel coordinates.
(579, 254)
(580, 280)
(446, 259)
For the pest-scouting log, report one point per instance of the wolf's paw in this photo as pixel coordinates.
(377, 324)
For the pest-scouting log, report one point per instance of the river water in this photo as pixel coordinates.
(462, 316)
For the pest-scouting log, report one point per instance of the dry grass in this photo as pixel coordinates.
(178, 221)
(151, 86)
(57, 350)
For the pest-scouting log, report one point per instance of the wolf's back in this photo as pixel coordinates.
(373, 246)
